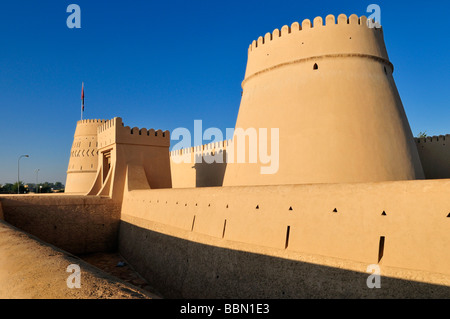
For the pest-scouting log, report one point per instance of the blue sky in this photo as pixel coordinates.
(164, 64)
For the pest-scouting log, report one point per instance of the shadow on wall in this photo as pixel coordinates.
(210, 173)
(77, 224)
(434, 154)
(180, 268)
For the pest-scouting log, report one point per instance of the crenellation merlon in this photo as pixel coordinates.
(204, 149)
(318, 22)
(91, 121)
(431, 139)
(115, 132)
(330, 37)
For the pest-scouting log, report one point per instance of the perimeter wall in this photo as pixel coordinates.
(434, 152)
(77, 224)
(214, 242)
(195, 166)
(199, 166)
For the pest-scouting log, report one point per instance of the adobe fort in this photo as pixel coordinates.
(353, 191)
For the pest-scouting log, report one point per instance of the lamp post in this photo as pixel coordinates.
(18, 172)
(36, 187)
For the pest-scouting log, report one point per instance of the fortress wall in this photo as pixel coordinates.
(199, 166)
(322, 37)
(434, 152)
(77, 224)
(1, 212)
(163, 234)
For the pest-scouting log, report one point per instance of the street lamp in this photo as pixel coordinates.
(18, 170)
(35, 188)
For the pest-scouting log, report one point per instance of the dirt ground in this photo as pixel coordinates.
(115, 265)
(33, 269)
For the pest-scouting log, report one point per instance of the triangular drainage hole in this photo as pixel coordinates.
(257, 206)
(335, 210)
(383, 213)
(290, 208)
(448, 216)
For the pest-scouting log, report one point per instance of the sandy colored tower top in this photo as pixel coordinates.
(88, 127)
(343, 37)
(114, 131)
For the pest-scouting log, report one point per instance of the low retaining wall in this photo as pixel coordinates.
(77, 224)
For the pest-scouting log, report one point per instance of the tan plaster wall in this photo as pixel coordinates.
(183, 174)
(78, 182)
(257, 218)
(200, 166)
(78, 224)
(141, 152)
(434, 152)
(434, 155)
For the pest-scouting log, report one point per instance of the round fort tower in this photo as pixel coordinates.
(83, 157)
(328, 87)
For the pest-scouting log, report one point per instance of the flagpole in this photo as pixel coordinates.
(82, 99)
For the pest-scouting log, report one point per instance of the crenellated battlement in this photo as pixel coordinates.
(205, 149)
(109, 124)
(87, 127)
(434, 152)
(318, 22)
(332, 37)
(91, 121)
(114, 131)
(431, 139)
